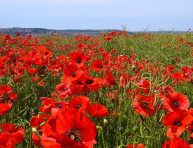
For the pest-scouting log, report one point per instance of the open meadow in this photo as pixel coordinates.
(112, 90)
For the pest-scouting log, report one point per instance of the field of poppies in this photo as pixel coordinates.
(113, 90)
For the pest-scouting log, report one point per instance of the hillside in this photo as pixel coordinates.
(36, 31)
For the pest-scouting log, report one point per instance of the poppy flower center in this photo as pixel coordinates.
(145, 104)
(73, 74)
(89, 81)
(176, 104)
(78, 106)
(79, 82)
(40, 132)
(166, 91)
(100, 66)
(73, 134)
(59, 105)
(78, 60)
(46, 53)
(65, 88)
(177, 123)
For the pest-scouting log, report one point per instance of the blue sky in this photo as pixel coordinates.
(136, 15)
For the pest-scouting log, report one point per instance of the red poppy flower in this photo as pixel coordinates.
(82, 46)
(78, 86)
(169, 70)
(69, 128)
(124, 80)
(79, 102)
(64, 89)
(4, 89)
(135, 146)
(188, 73)
(108, 79)
(71, 72)
(12, 96)
(3, 67)
(120, 63)
(4, 108)
(6, 99)
(190, 127)
(175, 143)
(83, 104)
(166, 91)
(45, 53)
(86, 83)
(37, 120)
(107, 58)
(144, 105)
(32, 70)
(107, 37)
(98, 65)
(97, 110)
(178, 77)
(36, 139)
(177, 122)
(48, 104)
(176, 101)
(138, 67)
(143, 85)
(10, 135)
(78, 58)
(91, 83)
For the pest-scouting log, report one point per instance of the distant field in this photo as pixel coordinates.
(112, 90)
(70, 32)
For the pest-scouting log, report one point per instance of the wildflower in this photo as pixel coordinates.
(10, 135)
(177, 122)
(176, 101)
(175, 143)
(68, 128)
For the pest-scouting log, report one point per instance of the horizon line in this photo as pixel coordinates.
(145, 30)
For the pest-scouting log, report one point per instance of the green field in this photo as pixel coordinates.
(103, 91)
